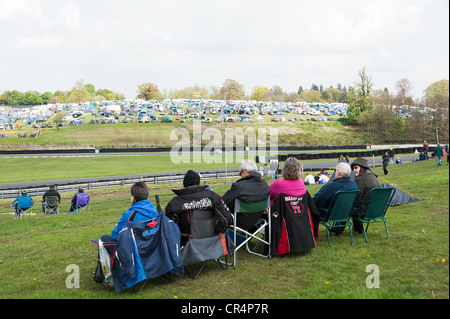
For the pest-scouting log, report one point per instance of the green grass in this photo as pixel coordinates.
(158, 134)
(413, 264)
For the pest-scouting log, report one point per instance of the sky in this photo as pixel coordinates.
(48, 45)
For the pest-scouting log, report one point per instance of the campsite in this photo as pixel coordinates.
(39, 251)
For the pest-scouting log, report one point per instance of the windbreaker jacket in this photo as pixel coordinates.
(146, 250)
(295, 224)
(197, 197)
(145, 211)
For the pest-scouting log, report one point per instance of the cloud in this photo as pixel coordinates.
(40, 42)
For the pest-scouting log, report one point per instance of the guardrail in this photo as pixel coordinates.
(73, 187)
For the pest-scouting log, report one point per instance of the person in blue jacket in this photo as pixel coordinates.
(342, 182)
(22, 203)
(144, 208)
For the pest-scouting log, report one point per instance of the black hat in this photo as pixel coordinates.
(361, 162)
(191, 178)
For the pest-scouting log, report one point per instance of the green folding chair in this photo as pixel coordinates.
(259, 224)
(338, 213)
(374, 208)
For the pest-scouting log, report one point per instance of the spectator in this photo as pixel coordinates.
(196, 196)
(291, 184)
(309, 179)
(438, 152)
(141, 208)
(365, 180)
(265, 171)
(342, 181)
(73, 205)
(425, 148)
(22, 202)
(323, 178)
(249, 188)
(385, 158)
(50, 192)
(391, 156)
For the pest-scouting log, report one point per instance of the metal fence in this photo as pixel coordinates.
(151, 180)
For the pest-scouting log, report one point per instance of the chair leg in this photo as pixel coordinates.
(351, 232)
(387, 233)
(365, 232)
(328, 235)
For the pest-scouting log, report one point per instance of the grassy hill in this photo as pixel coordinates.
(413, 264)
(158, 134)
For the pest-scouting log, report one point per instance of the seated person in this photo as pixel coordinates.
(22, 203)
(323, 179)
(420, 158)
(309, 179)
(342, 182)
(73, 206)
(291, 184)
(144, 211)
(249, 188)
(50, 192)
(196, 196)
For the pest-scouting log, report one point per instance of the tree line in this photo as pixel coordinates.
(80, 92)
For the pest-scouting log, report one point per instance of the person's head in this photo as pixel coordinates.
(24, 193)
(139, 191)
(343, 170)
(291, 169)
(52, 187)
(80, 188)
(191, 178)
(247, 167)
(360, 166)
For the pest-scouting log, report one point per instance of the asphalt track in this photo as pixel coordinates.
(308, 166)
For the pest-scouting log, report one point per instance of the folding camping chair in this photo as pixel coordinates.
(373, 210)
(51, 205)
(338, 213)
(203, 244)
(253, 225)
(24, 211)
(83, 204)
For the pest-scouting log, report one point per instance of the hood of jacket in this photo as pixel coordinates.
(145, 208)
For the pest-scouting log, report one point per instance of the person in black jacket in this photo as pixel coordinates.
(249, 188)
(50, 192)
(196, 196)
(385, 158)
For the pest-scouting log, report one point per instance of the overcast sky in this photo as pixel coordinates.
(47, 45)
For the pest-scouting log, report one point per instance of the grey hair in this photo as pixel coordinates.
(291, 169)
(249, 166)
(344, 169)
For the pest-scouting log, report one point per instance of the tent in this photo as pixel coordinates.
(401, 196)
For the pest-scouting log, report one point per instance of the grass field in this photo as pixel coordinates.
(158, 134)
(413, 264)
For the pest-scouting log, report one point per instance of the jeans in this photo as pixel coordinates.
(438, 160)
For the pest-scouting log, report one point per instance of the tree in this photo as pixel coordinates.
(148, 91)
(360, 98)
(311, 96)
(258, 93)
(436, 95)
(404, 86)
(90, 88)
(300, 90)
(232, 90)
(79, 93)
